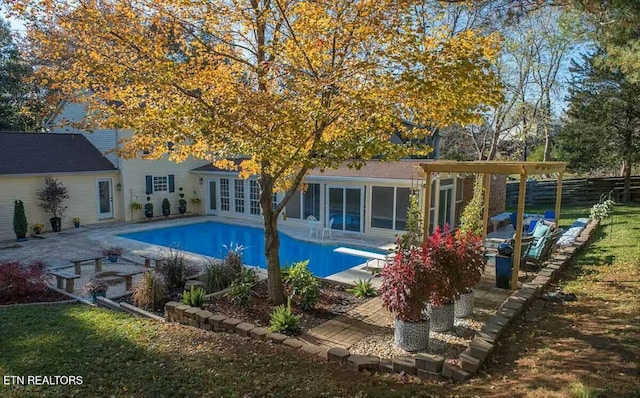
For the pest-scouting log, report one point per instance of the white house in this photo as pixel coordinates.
(372, 200)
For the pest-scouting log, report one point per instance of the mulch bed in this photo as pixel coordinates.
(334, 301)
(44, 296)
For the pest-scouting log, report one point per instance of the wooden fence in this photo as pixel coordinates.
(575, 191)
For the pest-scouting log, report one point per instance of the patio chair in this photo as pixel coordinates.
(313, 225)
(328, 229)
(539, 252)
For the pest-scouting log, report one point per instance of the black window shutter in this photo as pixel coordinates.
(149, 181)
(172, 183)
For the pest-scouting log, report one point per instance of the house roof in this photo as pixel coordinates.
(402, 169)
(44, 153)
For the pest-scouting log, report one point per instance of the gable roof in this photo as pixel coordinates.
(45, 153)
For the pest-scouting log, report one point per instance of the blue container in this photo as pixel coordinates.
(504, 266)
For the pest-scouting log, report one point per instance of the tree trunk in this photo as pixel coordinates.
(626, 173)
(271, 241)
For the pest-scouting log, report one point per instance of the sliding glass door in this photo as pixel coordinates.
(345, 208)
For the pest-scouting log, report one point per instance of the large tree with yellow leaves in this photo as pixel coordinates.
(291, 85)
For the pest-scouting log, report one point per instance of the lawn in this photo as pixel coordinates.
(575, 349)
(119, 355)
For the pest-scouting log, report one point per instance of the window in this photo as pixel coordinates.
(294, 205)
(382, 207)
(224, 194)
(254, 197)
(239, 196)
(389, 207)
(402, 206)
(160, 184)
(311, 201)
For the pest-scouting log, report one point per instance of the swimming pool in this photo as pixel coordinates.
(208, 238)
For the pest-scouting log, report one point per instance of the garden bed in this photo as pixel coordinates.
(45, 296)
(334, 301)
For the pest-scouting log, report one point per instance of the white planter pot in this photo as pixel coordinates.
(464, 305)
(442, 317)
(411, 336)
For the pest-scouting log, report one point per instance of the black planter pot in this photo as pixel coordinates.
(166, 212)
(182, 209)
(56, 224)
(148, 211)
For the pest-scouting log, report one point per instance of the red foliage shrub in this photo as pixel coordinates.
(17, 279)
(444, 267)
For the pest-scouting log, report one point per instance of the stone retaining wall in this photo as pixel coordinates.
(425, 366)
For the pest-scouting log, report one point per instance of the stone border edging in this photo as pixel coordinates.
(425, 366)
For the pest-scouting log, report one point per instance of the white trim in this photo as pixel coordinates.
(361, 188)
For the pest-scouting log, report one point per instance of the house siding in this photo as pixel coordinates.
(82, 200)
(104, 140)
(133, 177)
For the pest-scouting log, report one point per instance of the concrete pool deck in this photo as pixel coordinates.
(57, 249)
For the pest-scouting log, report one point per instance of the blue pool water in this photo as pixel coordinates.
(208, 238)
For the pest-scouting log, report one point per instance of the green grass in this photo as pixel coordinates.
(118, 355)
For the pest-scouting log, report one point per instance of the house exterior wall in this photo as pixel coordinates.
(104, 140)
(133, 177)
(82, 202)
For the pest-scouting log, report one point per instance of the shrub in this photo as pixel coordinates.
(195, 297)
(472, 215)
(151, 291)
(233, 260)
(52, 197)
(96, 286)
(241, 287)
(20, 226)
(303, 285)
(113, 251)
(407, 284)
(363, 289)
(471, 260)
(413, 236)
(283, 320)
(175, 270)
(18, 280)
(218, 276)
(37, 228)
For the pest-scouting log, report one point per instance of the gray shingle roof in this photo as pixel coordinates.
(43, 153)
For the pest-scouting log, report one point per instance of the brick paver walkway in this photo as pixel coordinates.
(364, 320)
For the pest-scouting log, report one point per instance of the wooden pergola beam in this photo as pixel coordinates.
(489, 168)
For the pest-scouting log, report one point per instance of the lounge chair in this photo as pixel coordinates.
(540, 249)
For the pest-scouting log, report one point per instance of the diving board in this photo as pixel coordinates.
(364, 254)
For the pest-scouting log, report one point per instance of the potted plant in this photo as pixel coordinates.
(135, 206)
(52, 197)
(95, 288)
(20, 226)
(471, 264)
(76, 222)
(441, 252)
(182, 204)
(407, 286)
(37, 228)
(112, 253)
(148, 208)
(166, 207)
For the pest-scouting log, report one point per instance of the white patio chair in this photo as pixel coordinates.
(313, 224)
(328, 229)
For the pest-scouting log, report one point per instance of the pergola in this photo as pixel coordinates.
(488, 169)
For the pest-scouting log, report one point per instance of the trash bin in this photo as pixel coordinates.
(504, 266)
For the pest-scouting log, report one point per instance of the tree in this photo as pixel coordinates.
(21, 108)
(603, 121)
(289, 85)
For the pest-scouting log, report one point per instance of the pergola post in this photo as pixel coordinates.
(558, 200)
(517, 252)
(487, 194)
(427, 206)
